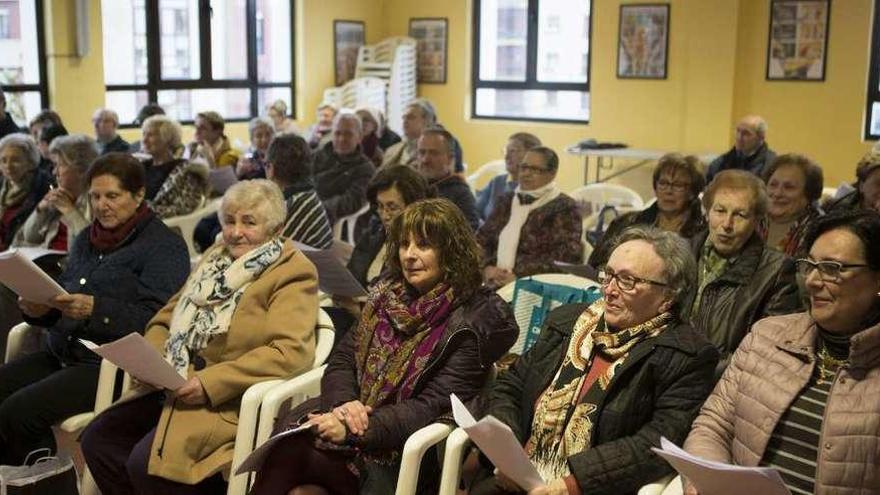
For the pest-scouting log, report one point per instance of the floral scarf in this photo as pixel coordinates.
(209, 298)
(395, 338)
(564, 416)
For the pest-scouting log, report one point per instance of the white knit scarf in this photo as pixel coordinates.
(210, 297)
(508, 239)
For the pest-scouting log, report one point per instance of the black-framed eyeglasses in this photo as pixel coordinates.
(522, 167)
(626, 283)
(829, 271)
(675, 186)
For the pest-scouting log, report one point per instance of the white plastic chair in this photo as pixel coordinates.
(487, 170)
(186, 224)
(348, 223)
(664, 486)
(599, 195)
(414, 450)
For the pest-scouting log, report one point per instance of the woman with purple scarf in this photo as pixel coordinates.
(428, 330)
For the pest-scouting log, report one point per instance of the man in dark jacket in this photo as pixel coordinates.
(342, 171)
(750, 151)
(106, 122)
(7, 125)
(436, 151)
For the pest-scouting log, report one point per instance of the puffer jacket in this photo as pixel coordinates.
(767, 372)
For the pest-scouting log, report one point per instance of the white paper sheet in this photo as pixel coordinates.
(33, 253)
(254, 461)
(136, 356)
(333, 277)
(497, 441)
(26, 279)
(718, 478)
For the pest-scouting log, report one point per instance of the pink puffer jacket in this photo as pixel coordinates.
(768, 370)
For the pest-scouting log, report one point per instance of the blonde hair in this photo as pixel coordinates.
(261, 196)
(168, 128)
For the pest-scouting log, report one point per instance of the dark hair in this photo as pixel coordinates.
(45, 117)
(291, 158)
(526, 139)
(52, 131)
(148, 111)
(411, 184)
(813, 180)
(551, 159)
(436, 130)
(671, 163)
(864, 224)
(442, 225)
(127, 170)
(214, 119)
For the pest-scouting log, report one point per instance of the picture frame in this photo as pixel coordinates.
(348, 37)
(432, 35)
(643, 41)
(797, 43)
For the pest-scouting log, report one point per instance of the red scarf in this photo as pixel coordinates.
(106, 240)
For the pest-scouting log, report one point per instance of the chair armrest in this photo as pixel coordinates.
(675, 486)
(456, 445)
(297, 389)
(246, 433)
(656, 488)
(413, 450)
(22, 338)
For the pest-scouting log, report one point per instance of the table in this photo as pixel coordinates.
(642, 156)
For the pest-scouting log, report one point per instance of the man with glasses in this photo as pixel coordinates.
(531, 227)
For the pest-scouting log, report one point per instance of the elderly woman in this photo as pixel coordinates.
(63, 211)
(277, 113)
(120, 271)
(427, 331)
(210, 145)
(252, 165)
(741, 280)
(605, 381)
(678, 182)
(370, 135)
(514, 152)
(794, 186)
(531, 227)
(175, 186)
(23, 184)
(866, 195)
(246, 314)
(800, 393)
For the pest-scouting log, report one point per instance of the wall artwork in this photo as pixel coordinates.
(798, 41)
(348, 37)
(643, 41)
(431, 33)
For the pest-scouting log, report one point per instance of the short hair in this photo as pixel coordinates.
(279, 106)
(436, 130)
(341, 116)
(443, 226)
(760, 124)
(291, 158)
(101, 112)
(372, 115)
(148, 111)
(258, 122)
(168, 128)
(742, 180)
(429, 113)
(551, 159)
(260, 196)
(864, 224)
(412, 185)
(671, 163)
(331, 106)
(77, 150)
(26, 144)
(679, 265)
(46, 117)
(214, 119)
(813, 178)
(50, 132)
(124, 167)
(526, 139)
(869, 163)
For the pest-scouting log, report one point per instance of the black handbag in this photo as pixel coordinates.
(48, 475)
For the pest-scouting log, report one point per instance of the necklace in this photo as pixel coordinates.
(828, 366)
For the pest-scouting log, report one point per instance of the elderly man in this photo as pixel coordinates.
(7, 125)
(106, 121)
(210, 145)
(341, 170)
(420, 114)
(750, 151)
(436, 150)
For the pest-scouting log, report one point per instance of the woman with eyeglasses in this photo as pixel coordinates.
(606, 380)
(678, 180)
(531, 227)
(802, 392)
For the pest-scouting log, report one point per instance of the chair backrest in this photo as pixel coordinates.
(601, 194)
(487, 170)
(185, 225)
(326, 333)
(347, 224)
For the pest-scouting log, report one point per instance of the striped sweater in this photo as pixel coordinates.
(306, 220)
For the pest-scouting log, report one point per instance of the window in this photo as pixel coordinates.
(231, 56)
(23, 58)
(532, 60)
(872, 115)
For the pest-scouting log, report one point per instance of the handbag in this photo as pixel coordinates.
(47, 475)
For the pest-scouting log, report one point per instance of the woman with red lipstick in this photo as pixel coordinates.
(794, 185)
(801, 392)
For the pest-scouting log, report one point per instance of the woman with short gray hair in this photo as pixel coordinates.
(252, 165)
(22, 184)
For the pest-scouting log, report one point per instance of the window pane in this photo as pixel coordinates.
(533, 104)
(228, 39)
(563, 40)
(267, 96)
(179, 37)
(273, 41)
(124, 25)
(23, 106)
(503, 39)
(126, 104)
(19, 58)
(875, 118)
(184, 104)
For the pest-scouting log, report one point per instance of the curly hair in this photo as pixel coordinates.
(442, 224)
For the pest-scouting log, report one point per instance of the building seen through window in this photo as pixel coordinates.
(22, 58)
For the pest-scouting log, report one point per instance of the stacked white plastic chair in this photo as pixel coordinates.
(360, 92)
(393, 60)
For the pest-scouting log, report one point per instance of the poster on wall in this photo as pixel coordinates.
(348, 37)
(431, 35)
(643, 41)
(798, 41)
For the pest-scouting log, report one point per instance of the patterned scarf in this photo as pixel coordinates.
(395, 338)
(210, 297)
(564, 416)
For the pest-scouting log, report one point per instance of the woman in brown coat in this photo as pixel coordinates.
(246, 314)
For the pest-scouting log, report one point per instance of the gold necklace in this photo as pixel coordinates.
(828, 366)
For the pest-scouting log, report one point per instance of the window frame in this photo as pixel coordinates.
(156, 83)
(43, 85)
(873, 91)
(531, 81)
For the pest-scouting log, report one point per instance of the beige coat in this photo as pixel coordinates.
(271, 335)
(768, 370)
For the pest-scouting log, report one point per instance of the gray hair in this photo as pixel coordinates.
(341, 116)
(258, 122)
(260, 196)
(77, 150)
(168, 128)
(679, 265)
(101, 112)
(429, 113)
(447, 136)
(26, 144)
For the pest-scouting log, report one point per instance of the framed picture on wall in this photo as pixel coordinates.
(348, 37)
(798, 43)
(432, 34)
(643, 41)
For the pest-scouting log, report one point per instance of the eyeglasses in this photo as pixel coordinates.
(626, 283)
(675, 186)
(522, 167)
(392, 208)
(829, 271)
